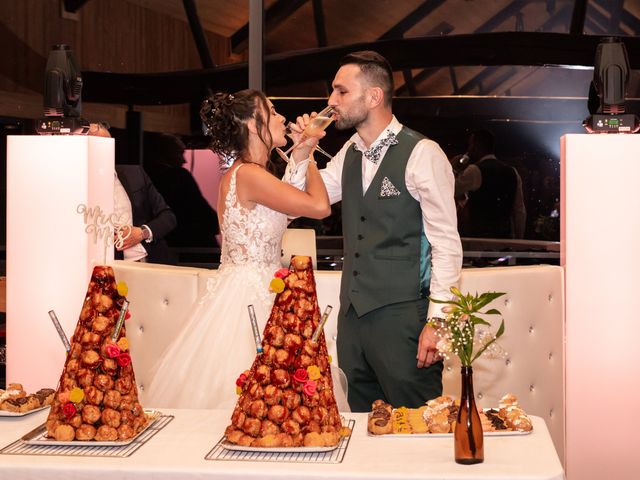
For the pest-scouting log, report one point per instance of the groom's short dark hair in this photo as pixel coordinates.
(376, 69)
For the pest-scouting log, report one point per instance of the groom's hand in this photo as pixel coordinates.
(427, 351)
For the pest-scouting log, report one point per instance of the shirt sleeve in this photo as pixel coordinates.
(469, 180)
(295, 174)
(430, 181)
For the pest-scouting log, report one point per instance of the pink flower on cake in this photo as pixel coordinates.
(113, 350)
(242, 379)
(69, 410)
(301, 375)
(309, 388)
(123, 360)
(282, 273)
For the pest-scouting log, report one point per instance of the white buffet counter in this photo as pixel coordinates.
(178, 450)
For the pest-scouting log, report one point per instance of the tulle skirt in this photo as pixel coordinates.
(200, 367)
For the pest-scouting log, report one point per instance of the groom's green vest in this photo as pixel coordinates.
(387, 258)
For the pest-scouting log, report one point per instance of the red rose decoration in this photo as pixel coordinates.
(127, 315)
(309, 388)
(282, 273)
(113, 350)
(301, 375)
(242, 379)
(124, 360)
(69, 410)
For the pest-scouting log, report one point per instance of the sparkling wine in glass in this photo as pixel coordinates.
(317, 125)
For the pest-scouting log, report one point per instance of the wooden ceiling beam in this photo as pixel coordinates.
(274, 16)
(500, 48)
(73, 6)
(199, 37)
(400, 28)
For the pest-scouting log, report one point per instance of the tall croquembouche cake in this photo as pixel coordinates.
(286, 399)
(97, 397)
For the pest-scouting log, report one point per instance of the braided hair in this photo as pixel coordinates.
(226, 115)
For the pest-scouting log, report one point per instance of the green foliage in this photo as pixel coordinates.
(458, 332)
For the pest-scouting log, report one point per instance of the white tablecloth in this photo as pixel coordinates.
(178, 451)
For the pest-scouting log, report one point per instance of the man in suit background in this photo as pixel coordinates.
(495, 206)
(151, 218)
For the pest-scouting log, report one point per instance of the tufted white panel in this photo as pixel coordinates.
(160, 297)
(299, 241)
(533, 369)
(533, 310)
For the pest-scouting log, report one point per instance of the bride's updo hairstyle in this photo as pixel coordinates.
(226, 115)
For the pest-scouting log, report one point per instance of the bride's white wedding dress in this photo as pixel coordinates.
(200, 367)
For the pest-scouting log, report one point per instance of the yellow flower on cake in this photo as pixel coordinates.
(123, 343)
(76, 395)
(314, 372)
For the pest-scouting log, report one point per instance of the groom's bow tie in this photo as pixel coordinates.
(373, 154)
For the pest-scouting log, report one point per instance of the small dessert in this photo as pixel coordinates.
(400, 420)
(417, 421)
(379, 422)
(45, 396)
(64, 433)
(439, 415)
(516, 419)
(487, 424)
(508, 400)
(439, 422)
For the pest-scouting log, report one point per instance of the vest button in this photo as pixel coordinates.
(355, 273)
(362, 219)
(360, 237)
(357, 255)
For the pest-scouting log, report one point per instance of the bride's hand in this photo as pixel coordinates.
(306, 144)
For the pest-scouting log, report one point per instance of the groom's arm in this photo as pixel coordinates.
(296, 173)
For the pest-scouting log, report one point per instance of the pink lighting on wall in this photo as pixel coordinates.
(600, 239)
(49, 256)
(204, 165)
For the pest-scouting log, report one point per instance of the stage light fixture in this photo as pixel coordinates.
(62, 95)
(607, 93)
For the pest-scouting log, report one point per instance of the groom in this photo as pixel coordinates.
(401, 243)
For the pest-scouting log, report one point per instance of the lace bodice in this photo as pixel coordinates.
(250, 235)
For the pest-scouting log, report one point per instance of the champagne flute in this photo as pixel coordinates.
(317, 125)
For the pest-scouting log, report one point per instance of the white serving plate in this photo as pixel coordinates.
(496, 433)
(38, 436)
(239, 448)
(5, 413)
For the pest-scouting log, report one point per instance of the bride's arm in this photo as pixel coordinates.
(259, 186)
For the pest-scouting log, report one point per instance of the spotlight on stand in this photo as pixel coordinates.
(62, 95)
(608, 89)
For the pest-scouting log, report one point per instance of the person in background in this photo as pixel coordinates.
(401, 242)
(495, 201)
(151, 218)
(197, 221)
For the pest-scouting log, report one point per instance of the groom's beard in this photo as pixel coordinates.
(354, 117)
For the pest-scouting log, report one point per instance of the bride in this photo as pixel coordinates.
(200, 367)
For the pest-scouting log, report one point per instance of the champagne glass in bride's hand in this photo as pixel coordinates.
(316, 126)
